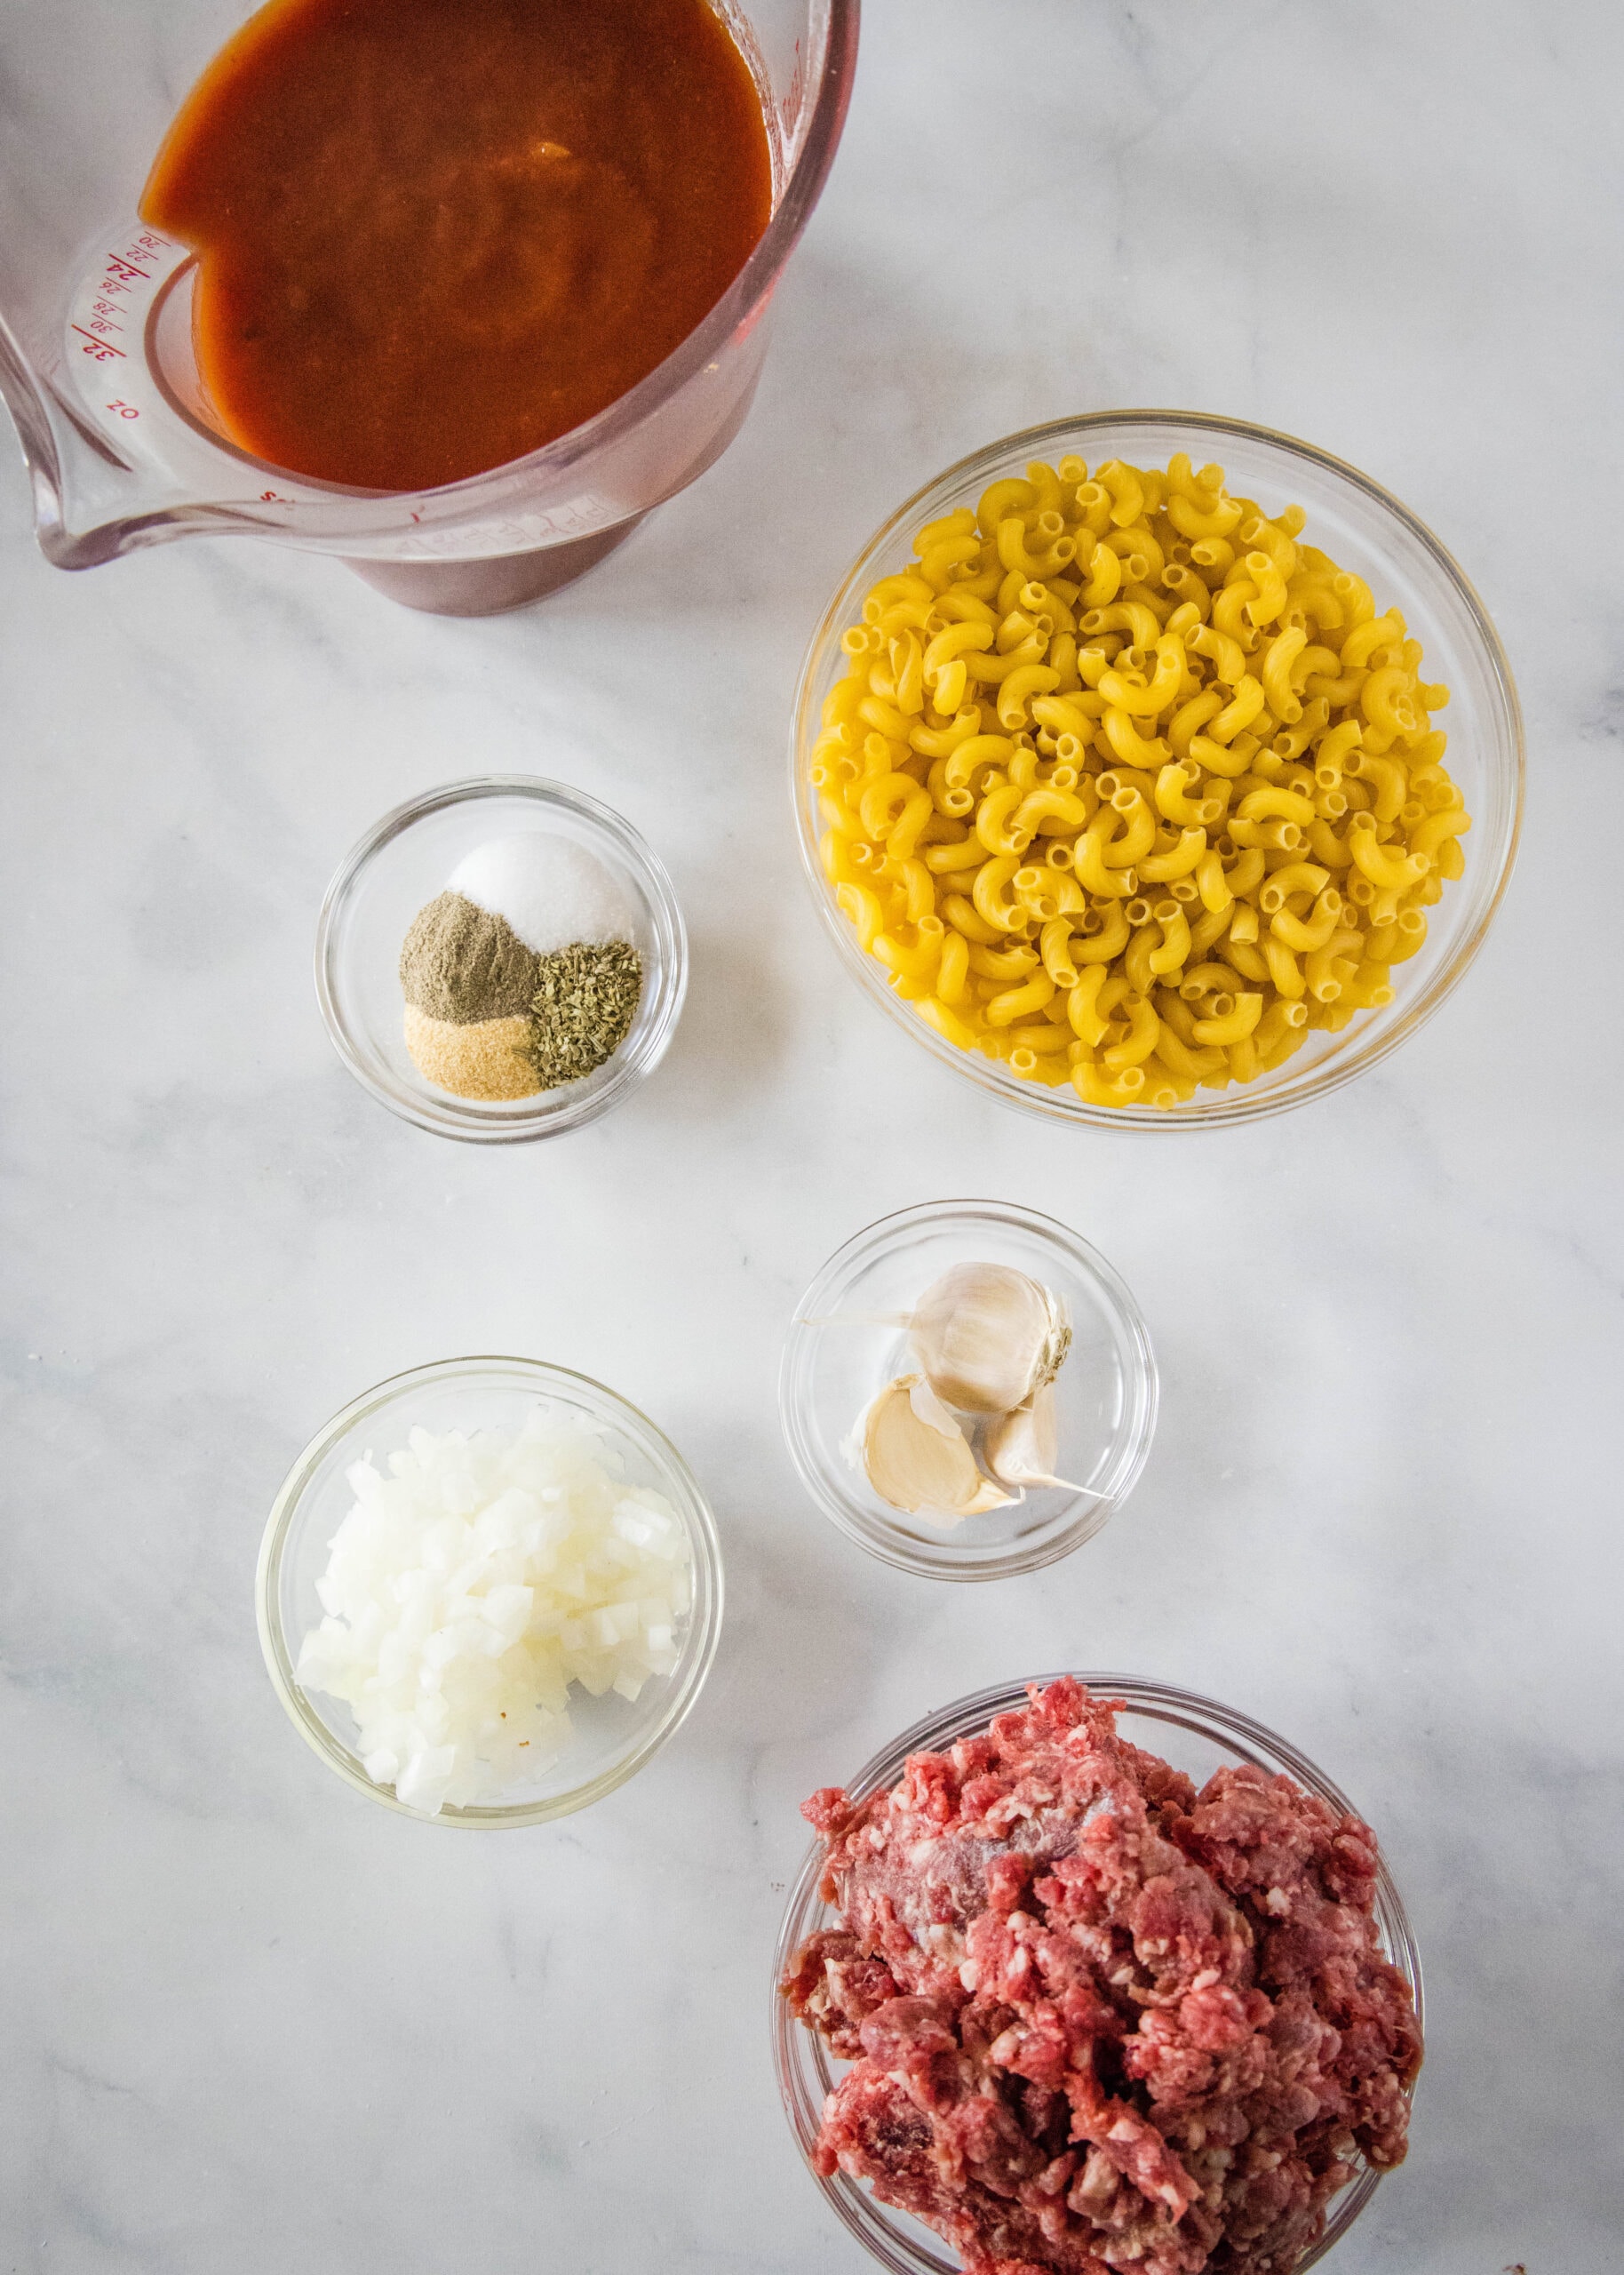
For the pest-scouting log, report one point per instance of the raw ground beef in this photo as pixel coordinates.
(1098, 2021)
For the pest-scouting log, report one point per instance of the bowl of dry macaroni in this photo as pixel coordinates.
(1157, 769)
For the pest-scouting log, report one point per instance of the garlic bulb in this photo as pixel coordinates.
(916, 1456)
(987, 1338)
(1020, 1447)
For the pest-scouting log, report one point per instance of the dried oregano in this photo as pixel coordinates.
(586, 997)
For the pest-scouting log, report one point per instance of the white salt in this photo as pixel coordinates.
(550, 890)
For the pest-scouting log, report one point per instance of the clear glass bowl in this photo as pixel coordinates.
(401, 864)
(1363, 529)
(614, 1737)
(1105, 1394)
(1197, 1735)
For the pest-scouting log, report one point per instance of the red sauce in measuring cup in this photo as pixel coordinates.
(435, 234)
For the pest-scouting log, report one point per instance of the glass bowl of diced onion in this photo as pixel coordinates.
(1366, 532)
(615, 1726)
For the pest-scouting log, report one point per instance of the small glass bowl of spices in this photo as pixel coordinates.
(500, 959)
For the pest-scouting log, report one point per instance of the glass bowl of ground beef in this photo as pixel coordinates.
(1092, 1971)
(429, 1069)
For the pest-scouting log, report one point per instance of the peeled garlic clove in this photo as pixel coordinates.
(988, 1337)
(916, 1456)
(1020, 1447)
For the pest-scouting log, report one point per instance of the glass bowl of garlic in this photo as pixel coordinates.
(968, 1390)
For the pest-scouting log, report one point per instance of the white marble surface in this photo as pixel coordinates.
(246, 2020)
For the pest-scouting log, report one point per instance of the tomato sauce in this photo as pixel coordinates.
(435, 234)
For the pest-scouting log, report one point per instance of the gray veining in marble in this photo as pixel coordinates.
(248, 2022)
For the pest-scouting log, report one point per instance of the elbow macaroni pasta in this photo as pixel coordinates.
(1129, 788)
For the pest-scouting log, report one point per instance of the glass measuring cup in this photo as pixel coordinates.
(95, 361)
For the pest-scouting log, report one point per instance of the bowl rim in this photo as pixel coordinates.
(443, 1115)
(872, 2223)
(1368, 1042)
(549, 1380)
(1119, 1300)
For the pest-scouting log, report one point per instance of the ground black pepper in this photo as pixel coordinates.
(461, 963)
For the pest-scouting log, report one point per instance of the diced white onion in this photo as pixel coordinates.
(472, 1583)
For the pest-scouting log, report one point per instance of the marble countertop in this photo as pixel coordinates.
(249, 2021)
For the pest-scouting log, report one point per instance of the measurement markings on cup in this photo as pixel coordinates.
(106, 302)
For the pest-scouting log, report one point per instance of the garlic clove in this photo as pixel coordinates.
(916, 1456)
(987, 1337)
(1019, 1448)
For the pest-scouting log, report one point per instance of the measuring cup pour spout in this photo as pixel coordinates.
(121, 442)
(99, 490)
